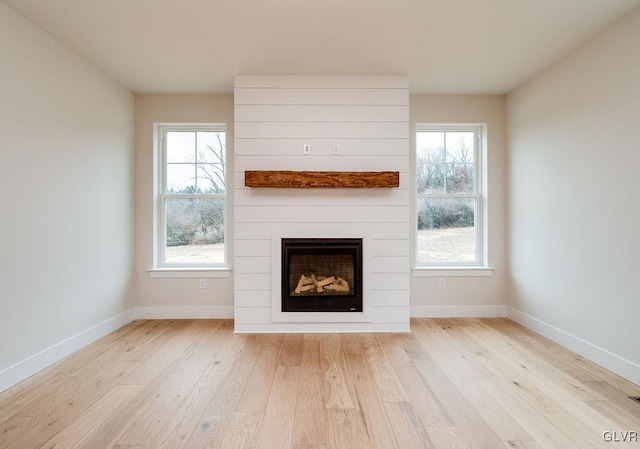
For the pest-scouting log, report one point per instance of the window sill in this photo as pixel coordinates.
(452, 271)
(187, 273)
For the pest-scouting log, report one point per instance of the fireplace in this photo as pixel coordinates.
(321, 275)
(360, 123)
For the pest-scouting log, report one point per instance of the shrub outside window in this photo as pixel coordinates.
(192, 196)
(448, 192)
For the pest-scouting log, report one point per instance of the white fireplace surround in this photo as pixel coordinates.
(328, 231)
(349, 123)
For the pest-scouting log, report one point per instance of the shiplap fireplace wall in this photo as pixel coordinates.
(365, 120)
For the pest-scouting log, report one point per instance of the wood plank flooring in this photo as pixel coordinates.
(450, 383)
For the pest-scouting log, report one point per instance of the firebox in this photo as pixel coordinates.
(321, 275)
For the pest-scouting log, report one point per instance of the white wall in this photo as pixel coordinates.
(368, 118)
(462, 296)
(66, 183)
(574, 134)
(177, 297)
(468, 296)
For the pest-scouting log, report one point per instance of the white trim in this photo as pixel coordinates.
(318, 328)
(22, 370)
(619, 365)
(188, 273)
(481, 311)
(316, 230)
(160, 180)
(452, 271)
(183, 313)
(480, 194)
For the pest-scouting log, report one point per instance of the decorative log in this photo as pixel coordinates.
(321, 179)
(343, 283)
(321, 284)
(337, 287)
(307, 280)
(315, 283)
(300, 284)
(326, 281)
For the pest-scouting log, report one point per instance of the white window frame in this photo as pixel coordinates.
(161, 268)
(478, 267)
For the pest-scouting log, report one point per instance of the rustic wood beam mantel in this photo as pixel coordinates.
(321, 179)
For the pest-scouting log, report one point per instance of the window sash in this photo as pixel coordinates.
(163, 159)
(163, 195)
(177, 196)
(477, 196)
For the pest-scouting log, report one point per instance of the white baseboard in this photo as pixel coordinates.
(623, 367)
(20, 371)
(486, 311)
(318, 328)
(183, 313)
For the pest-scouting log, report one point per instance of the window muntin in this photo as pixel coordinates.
(192, 196)
(448, 193)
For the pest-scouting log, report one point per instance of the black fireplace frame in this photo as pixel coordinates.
(333, 303)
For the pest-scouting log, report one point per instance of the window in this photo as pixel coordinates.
(191, 196)
(449, 196)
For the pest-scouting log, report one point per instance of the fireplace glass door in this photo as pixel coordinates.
(322, 275)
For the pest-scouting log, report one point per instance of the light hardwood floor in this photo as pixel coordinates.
(451, 383)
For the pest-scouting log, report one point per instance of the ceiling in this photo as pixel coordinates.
(444, 46)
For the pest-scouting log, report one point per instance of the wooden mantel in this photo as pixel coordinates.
(321, 179)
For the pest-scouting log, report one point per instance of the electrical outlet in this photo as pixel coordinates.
(203, 283)
(306, 148)
(441, 282)
(336, 148)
